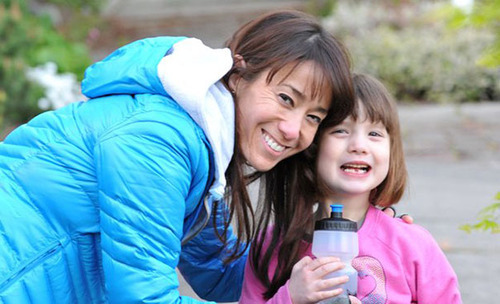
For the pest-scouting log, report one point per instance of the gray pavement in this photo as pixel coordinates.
(453, 151)
(453, 156)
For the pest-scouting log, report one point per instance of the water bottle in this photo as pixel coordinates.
(337, 236)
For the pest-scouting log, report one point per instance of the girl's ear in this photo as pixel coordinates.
(234, 78)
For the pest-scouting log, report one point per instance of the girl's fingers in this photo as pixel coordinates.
(302, 263)
(332, 282)
(320, 262)
(327, 268)
(322, 295)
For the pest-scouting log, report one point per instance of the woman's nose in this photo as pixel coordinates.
(291, 127)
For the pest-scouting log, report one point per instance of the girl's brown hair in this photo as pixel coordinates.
(270, 43)
(379, 106)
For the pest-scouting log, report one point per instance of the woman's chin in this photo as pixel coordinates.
(262, 165)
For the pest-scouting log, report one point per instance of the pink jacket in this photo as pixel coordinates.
(397, 263)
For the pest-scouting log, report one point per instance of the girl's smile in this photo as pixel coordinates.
(353, 158)
(356, 168)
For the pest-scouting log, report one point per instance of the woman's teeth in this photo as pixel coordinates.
(274, 145)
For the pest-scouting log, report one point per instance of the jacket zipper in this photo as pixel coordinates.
(37, 260)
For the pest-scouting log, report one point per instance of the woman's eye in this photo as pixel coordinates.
(374, 133)
(315, 119)
(286, 99)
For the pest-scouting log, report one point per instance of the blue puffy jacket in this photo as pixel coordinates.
(96, 197)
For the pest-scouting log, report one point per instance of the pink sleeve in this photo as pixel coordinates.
(436, 279)
(253, 290)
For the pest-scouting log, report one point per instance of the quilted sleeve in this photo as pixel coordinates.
(202, 264)
(145, 170)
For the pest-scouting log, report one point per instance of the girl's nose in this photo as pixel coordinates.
(357, 144)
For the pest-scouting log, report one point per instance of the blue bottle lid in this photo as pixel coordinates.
(336, 222)
(336, 210)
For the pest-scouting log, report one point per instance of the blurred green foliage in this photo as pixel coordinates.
(410, 48)
(92, 5)
(484, 14)
(488, 219)
(29, 40)
(18, 96)
(320, 8)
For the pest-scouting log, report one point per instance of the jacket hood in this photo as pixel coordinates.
(191, 74)
(183, 69)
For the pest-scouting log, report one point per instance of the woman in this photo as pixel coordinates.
(102, 200)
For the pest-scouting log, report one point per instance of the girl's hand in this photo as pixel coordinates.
(306, 281)
(354, 300)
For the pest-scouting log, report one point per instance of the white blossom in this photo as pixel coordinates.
(60, 89)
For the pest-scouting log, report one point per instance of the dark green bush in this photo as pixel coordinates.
(29, 40)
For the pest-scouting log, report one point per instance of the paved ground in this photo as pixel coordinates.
(453, 152)
(453, 155)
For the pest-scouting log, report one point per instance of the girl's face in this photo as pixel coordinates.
(278, 119)
(353, 157)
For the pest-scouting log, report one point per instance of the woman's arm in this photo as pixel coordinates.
(146, 170)
(202, 264)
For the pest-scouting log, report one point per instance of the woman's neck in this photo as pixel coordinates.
(355, 207)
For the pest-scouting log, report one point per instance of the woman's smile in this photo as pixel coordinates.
(271, 143)
(278, 118)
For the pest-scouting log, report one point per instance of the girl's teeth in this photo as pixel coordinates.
(352, 170)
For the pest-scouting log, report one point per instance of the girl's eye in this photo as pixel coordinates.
(286, 99)
(339, 131)
(374, 133)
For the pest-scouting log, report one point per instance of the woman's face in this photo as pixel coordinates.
(278, 119)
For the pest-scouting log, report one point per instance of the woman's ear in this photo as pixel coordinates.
(239, 62)
(234, 78)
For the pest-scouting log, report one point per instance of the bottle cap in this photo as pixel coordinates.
(336, 222)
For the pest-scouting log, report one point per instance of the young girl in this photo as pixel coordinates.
(360, 164)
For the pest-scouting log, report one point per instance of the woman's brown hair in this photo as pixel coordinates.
(270, 43)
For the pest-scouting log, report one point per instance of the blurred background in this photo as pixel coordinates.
(440, 59)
